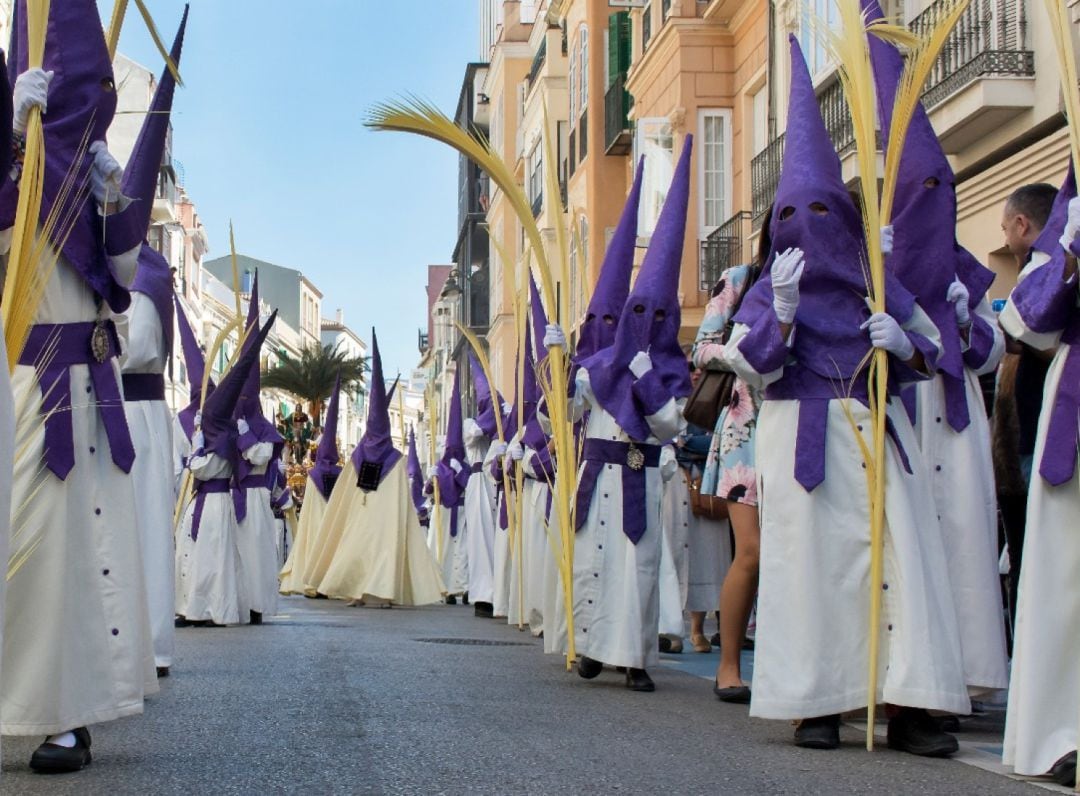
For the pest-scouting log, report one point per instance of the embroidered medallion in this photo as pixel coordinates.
(99, 342)
(635, 459)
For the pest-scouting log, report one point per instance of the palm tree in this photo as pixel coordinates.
(311, 377)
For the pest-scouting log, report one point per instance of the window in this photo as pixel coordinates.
(665, 9)
(497, 125)
(577, 291)
(646, 25)
(653, 138)
(817, 57)
(714, 159)
(583, 68)
(571, 83)
(535, 165)
(575, 277)
(760, 116)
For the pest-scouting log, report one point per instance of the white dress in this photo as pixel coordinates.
(311, 517)
(814, 592)
(501, 582)
(256, 539)
(675, 522)
(536, 548)
(962, 477)
(479, 518)
(616, 595)
(454, 565)
(7, 465)
(151, 428)
(77, 648)
(1043, 717)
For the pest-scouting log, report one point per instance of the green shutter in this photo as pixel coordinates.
(618, 45)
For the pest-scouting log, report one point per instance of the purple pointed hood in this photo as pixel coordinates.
(144, 166)
(926, 256)
(814, 212)
(82, 103)
(486, 404)
(597, 331)
(416, 476)
(392, 390)
(533, 434)
(155, 281)
(326, 468)
(650, 318)
(6, 117)
(218, 420)
(451, 483)
(539, 320)
(1047, 242)
(376, 448)
(250, 406)
(195, 364)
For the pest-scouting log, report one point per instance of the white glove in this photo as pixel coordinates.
(498, 449)
(455, 465)
(553, 335)
(242, 426)
(787, 270)
(507, 408)
(198, 419)
(640, 364)
(198, 441)
(958, 295)
(1072, 226)
(105, 174)
(432, 472)
(516, 451)
(31, 88)
(471, 431)
(885, 333)
(886, 240)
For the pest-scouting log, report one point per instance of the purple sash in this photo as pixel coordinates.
(599, 452)
(143, 386)
(215, 486)
(1058, 462)
(52, 349)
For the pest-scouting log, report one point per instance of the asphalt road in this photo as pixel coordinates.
(327, 699)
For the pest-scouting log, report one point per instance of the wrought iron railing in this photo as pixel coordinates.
(726, 246)
(988, 39)
(617, 104)
(537, 63)
(764, 177)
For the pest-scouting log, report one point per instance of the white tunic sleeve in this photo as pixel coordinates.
(260, 453)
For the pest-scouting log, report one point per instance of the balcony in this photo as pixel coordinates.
(764, 177)
(725, 247)
(617, 104)
(984, 76)
(537, 64)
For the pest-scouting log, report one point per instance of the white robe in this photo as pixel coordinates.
(536, 551)
(962, 477)
(7, 465)
(454, 565)
(382, 556)
(501, 582)
(77, 648)
(255, 539)
(151, 428)
(616, 595)
(1043, 717)
(311, 517)
(208, 581)
(813, 594)
(675, 522)
(479, 518)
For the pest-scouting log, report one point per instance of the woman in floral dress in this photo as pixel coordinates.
(730, 474)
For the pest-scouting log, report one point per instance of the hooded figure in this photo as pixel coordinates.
(380, 553)
(597, 331)
(416, 482)
(260, 444)
(1041, 727)
(209, 587)
(452, 476)
(322, 478)
(77, 645)
(634, 392)
(147, 330)
(802, 335)
(949, 419)
(480, 500)
(195, 364)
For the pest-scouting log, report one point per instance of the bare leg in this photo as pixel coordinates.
(737, 595)
(697, 623)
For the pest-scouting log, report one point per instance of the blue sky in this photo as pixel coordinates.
(269, 130)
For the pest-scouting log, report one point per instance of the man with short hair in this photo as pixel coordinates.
(1024, 217)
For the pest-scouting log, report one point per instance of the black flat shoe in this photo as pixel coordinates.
(53, 759)
(821, 732)
(588, 668)
(916, 732)
(639, 680)
(483, 610)
(182, 621)
(451, 599)
(736, 694)
(256, 617)
(162, 671)
(714, 639)
(1063, 772)
(948, 723)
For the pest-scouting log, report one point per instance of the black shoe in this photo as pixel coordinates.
(162, 671)
(1063, 772)
(670, 644)
(451, 599)
(736, 694)
(947, 723)
(465, 598)
(822, 732)
(182, 621)
(53, 759)
(916, 732)
(483, 610)
(715, 639)
(588, 668)
(748, 644)
(639, 680)
(256, 617)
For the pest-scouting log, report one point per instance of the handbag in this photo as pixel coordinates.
(708, 507)
(713, 391)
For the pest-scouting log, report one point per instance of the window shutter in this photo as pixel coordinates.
(618, 45)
